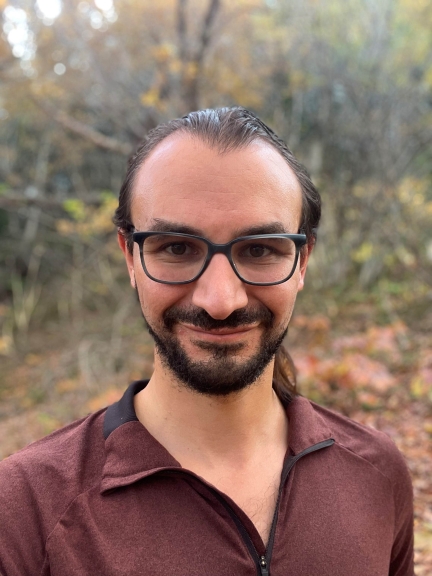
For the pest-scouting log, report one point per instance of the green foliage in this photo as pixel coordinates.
(75, 208)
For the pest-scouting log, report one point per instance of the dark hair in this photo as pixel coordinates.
(227, 129)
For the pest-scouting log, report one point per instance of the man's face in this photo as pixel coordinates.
(217, 334)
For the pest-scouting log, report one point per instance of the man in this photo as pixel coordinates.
(214, 466)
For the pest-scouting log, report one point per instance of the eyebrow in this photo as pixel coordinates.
(270, 228)
(160, 225)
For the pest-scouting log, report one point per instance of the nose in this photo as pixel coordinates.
(219, 291)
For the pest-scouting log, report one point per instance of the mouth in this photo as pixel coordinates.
(218, 334)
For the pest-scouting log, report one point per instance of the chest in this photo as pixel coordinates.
(170, 524)
(256, 494)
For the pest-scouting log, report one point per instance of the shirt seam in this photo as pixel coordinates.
(382, 474)
(59, 519)
(368, 462)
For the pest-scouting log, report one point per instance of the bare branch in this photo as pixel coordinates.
(87, 132)
(93, 135)
(182, 29)
(208, 21)
(191, 85)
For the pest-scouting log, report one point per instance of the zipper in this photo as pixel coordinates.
(288, 466)
(262, 562)
(263, 566)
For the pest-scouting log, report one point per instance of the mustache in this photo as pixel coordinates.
(202, 319)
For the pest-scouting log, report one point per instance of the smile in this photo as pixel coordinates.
(220, 334)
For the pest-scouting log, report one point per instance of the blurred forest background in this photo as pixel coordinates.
(347, 83)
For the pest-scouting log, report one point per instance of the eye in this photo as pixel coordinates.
(180, 250)
(264, 251)
(177, 249)
(258, 251)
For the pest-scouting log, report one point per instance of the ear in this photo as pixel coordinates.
(304, 259)
(128, 257)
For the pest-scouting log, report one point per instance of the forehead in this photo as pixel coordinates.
(190, 183)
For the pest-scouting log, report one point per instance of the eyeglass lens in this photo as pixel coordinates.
(179, 259)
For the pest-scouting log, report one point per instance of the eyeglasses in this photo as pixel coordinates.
(262, 260)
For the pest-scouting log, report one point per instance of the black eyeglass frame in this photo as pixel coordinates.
(299, 240)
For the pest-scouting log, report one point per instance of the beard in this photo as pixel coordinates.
(223, 373)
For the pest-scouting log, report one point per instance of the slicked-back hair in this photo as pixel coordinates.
(227, 130)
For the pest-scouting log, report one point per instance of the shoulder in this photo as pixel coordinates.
(373, 447)
(69, 457)
(38, 483)
(56, 452)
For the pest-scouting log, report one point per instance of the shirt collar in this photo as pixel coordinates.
(132, 453)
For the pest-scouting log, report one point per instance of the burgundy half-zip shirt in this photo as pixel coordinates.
(102, 497)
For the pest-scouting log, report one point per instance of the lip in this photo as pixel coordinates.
(220, 334)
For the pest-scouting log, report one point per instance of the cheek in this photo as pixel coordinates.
(281, 301)
(156, 298)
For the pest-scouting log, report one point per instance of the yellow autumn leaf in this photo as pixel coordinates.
(150, 98)
(5, 345)
(67, 385)
(417, 387)
(363, 253)
(105, 399)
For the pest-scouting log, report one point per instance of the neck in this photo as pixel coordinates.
(202, 429)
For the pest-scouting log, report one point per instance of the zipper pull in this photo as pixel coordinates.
(263, 566)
